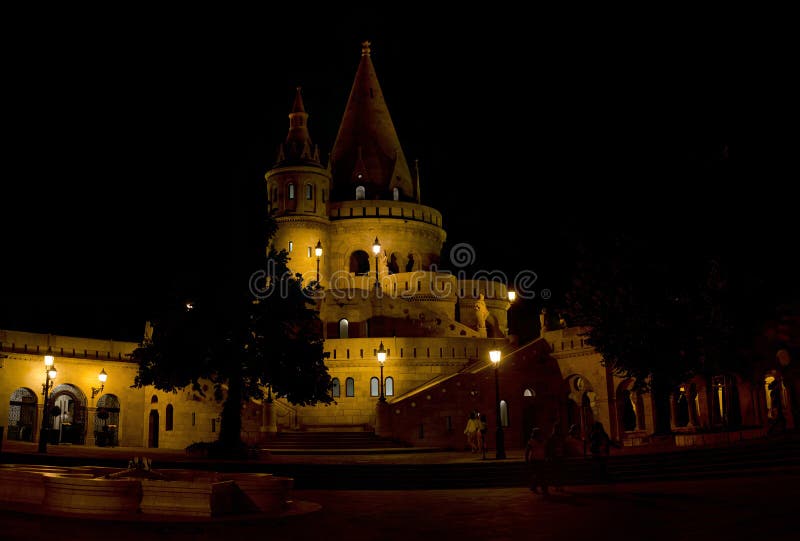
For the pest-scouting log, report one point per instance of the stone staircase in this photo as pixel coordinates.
(735, 461)
(329, 442)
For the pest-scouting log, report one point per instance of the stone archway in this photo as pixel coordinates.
(359, 263)
(630, 408)
(582, 407)
(70, 424)
(106, 421)
(22, 415)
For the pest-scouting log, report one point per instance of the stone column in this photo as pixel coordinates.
(382, 420)
(91, 416)
(269, 418)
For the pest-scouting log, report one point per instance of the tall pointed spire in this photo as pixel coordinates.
(367, 150)
(298, 148)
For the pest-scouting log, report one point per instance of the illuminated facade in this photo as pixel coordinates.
(357, 225)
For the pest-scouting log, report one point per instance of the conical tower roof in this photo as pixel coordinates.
(367, 150)
(298, 148)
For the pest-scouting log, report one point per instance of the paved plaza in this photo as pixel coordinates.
(731, 509)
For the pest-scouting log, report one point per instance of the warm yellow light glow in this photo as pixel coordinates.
(52, 372)
(381, 354)
(494, 356)
(376, 247)
(102, 376)
(49, 360)
(682, 388)
(512, 295)
(318, 249)
(189, 306)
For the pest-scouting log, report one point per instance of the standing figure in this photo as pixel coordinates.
(534, 457)
(554, 457)
(471, 431)
(600, 447)
(481, 434)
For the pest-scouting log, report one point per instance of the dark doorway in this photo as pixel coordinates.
(359, 263)
(152, 432)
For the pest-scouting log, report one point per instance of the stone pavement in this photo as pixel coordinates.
(744, 507)
(725, 509)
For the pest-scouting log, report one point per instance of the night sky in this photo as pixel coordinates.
(135, 142)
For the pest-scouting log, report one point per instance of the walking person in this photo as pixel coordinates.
(471, 431)
(534, 457)
(600, 447)
(481, 433)
(574, 446)
(554, 458)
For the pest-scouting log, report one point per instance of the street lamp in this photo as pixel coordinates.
(102, 376)
(494, 356)
(50, 375)
(318, 253)
(376, 249)
(381, 359)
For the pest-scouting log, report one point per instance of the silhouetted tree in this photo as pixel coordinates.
(252, 325)
(662, 308)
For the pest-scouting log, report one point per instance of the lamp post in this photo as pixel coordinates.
(494, 356)
(376, 249)
(318, 253)
(50, 375)
(103, 377)
(381, 360)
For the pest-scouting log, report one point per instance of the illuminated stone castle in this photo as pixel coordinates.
(356, 225)
(379, 251)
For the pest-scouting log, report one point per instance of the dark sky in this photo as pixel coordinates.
(133, 138)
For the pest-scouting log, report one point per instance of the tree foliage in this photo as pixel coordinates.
(254, 326)
(662, 307)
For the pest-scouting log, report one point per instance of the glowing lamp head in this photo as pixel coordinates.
(52, 372)
(102, 376)
(512, 295)
(376, 247)
(49, 360)
(381, 354)
(494, 356)
(318, 249)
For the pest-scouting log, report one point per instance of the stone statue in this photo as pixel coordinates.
(383, 263)
(148, 333)
(543, 321)
(481, 312)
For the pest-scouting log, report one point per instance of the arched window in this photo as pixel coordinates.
(291, 246)
(628, 401)
(154, 399)
(359, 263)
(168, 420)
(504, 413)
(336, 390)
(309, 192)
(396, 194)
(374, 387)
(344, 328)
(291, 191)
(349, 387)
(360, 192)
(389, 384)
(529, 392)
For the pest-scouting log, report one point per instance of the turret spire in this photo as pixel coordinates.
(298, 148)
(367, 125)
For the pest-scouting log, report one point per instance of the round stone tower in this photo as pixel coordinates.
(298, 191)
